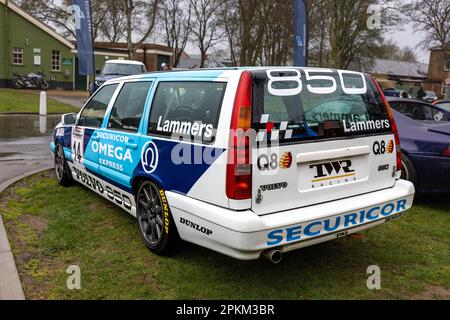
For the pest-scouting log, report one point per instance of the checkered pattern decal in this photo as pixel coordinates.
(275, 133)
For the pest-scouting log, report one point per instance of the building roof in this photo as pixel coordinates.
(399, 68)
(50, 31)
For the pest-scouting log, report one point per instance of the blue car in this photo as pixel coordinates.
(425, 145)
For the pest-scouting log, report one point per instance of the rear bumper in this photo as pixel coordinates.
(245, 235)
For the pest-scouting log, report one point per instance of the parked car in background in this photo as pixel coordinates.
(419, 110)
(396, 93)
(115, 69)
(430, 96)
(425, 147)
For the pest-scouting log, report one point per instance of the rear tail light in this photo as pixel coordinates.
(394, 127)
(239, 169)
(446, 152)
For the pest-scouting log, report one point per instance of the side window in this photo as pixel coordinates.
(94, 112)
(127, 111)
(183, 109)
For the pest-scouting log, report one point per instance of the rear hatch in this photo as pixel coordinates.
(321, 135)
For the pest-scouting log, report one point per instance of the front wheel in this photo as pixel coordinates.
(62, 170)
(155, 221)
(44, 85)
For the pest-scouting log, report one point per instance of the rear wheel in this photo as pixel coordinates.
(408, 171)
(155, 221)
(62, 170)
(16, 84)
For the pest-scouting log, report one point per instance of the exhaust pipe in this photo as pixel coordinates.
(273, 255)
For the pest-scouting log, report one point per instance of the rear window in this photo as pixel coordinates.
(312, 104)
(187, 109)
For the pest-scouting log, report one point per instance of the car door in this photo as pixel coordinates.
(89, 121)
(118, 153)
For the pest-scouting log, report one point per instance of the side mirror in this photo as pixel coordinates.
(97, 71)
(69, 119)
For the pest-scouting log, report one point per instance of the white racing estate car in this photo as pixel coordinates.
(244, 161)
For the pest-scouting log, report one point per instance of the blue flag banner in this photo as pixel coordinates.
(83, 30)
(301, 33)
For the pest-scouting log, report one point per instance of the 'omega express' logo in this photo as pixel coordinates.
(331, 172)
(149, 157)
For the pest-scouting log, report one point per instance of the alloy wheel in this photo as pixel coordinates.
(150, 213)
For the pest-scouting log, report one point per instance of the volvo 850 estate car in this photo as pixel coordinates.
(243, 161)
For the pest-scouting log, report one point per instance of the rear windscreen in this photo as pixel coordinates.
(310, 104)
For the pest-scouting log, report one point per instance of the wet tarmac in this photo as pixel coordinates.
(24, 143)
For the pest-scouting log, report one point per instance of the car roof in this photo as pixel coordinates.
(200, 73)
(117, 61)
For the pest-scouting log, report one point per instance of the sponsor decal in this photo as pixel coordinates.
(335, 172)
(367, 125)
(165, 210)
(334, 116)
(383, 168)
(274, 186)
(59, 132)
(286, 160)
(108, 150)
(335, 224)
(97, 185)
(381, 147)
(267, 162)
(149, 157)
(198, 129)
(270, 162)
(78, 145)
(195, 226)
(439, 116)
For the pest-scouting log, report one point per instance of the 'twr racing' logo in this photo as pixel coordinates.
(150, 157)
(330, 173)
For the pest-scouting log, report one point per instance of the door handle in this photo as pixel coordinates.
(131, 145)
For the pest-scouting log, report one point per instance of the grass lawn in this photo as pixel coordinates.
(51, 227)
(23, 102)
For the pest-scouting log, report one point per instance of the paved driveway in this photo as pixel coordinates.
(24, 144)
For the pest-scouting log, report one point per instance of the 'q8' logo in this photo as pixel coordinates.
(149, 157)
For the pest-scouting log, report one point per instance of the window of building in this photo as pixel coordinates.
(447, 65)
(443, 88)
(18, 56)
(56, 60)
(127, 111)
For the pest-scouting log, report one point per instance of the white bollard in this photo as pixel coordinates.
(43, 104)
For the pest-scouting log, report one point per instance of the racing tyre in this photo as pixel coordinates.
(408, 171)
(62, 170)
(155, 221)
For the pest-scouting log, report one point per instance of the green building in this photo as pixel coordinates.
(29, 45)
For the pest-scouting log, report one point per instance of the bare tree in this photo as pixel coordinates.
(140, 19)
(433, 17)
(113, 25)
(59, 14)
(390, 50)
(205, 26)
(175, 18)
